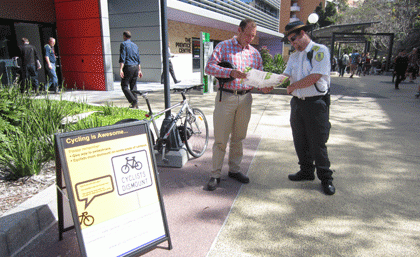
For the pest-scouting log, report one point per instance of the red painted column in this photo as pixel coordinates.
(79, 36)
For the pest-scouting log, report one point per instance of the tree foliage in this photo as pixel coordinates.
(328, 16)
(400, 17)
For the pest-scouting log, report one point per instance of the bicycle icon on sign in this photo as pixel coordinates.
(86, 219)
(131, 163)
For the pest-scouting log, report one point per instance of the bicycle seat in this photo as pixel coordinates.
(225, 64)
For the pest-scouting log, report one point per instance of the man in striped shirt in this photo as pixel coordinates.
(233, 101)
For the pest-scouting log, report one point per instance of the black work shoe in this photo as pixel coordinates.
(301, 176)
(239, 177)
(212, 184)
(328, 187)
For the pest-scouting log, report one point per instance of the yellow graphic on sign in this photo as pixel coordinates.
(88, 190)
(86, 219)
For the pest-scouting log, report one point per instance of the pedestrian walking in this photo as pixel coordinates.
(130, 68)
(343, 63)
(171, 67)
(413, 65)
(50, 59)
(29, 65)
(355, 57)
(401, 64)
(367, 64)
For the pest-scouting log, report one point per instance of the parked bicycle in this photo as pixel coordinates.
(190, 122)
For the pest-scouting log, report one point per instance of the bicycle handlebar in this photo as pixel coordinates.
(180, 89)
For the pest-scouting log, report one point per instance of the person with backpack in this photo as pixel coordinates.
(355, 59)
(343, 63)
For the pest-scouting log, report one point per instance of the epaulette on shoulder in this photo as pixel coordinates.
(315, 48)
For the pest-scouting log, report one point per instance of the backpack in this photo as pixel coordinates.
(345, 60)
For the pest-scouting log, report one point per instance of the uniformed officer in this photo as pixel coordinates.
(308, 69)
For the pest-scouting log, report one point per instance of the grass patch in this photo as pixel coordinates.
(27, 128)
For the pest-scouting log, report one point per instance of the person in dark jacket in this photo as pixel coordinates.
(401, 64)
(130, 68)
(29, 65)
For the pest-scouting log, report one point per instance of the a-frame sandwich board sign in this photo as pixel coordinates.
(113, 190)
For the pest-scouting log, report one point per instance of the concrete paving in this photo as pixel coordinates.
(373, 149)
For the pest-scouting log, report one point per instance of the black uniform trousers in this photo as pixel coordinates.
(131, 72)
(310, 124)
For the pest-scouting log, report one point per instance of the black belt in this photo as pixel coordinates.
(310, 98)
(235, 92)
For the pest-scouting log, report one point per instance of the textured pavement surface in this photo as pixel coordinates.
(373, 148)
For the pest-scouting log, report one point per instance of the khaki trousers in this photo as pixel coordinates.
(230, 118)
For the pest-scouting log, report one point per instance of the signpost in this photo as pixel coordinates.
(206, 49)
(113, 189)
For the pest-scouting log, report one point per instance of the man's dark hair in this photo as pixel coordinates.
(245, 22)
(127, 34)
(345, 51)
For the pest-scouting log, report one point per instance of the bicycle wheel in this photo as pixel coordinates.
(125, 169)
(138, 165)
(88, 221)
(196, 133)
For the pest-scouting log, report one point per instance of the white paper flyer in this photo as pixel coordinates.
(262, 79)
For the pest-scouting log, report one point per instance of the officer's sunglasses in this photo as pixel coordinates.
(293, 38)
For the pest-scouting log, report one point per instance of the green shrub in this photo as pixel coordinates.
(21, 154)
(27, 128)
(274, 64)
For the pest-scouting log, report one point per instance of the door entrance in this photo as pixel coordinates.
(38, 34)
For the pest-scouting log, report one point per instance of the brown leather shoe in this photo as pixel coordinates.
(212, 184)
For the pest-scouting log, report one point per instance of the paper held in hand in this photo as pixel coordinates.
(262, 79)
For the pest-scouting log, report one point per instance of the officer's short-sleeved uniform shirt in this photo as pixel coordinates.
(299, 66)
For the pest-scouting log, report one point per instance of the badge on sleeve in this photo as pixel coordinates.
(319, 56)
